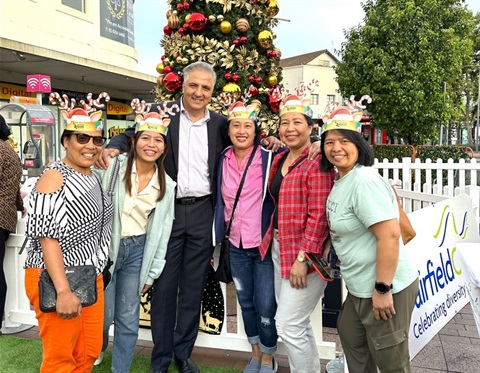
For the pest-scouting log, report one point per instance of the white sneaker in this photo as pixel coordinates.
(99, 360)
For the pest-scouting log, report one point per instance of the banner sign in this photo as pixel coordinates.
(442, 291)
(116, 21)
(8, 90)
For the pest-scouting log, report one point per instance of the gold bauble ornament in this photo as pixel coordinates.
(242, 25)
(187, 18)
(233, 89)
(272, 80)
(172, 21)
(212, 18)
(272, 8)
(265, 39)
(225, 27)
(160, 68)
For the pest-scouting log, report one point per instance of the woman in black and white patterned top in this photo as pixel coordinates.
(69, 224)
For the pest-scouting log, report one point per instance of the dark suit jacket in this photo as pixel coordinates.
(217, 141)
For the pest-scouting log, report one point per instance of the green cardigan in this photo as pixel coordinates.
(159, 224)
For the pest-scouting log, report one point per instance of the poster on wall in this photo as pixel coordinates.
(442, 290)
(116, 21)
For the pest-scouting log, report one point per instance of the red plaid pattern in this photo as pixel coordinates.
(302, 220)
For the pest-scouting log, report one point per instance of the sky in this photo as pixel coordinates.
(318, 24)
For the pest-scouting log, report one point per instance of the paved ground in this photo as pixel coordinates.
(455, 349)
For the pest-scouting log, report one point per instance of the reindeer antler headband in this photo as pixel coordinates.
(77, 118)
(346, 117)
(157, 122)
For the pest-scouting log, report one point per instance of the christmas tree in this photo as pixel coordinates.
(235, 36)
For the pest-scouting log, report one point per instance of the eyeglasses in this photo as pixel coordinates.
(83, 138)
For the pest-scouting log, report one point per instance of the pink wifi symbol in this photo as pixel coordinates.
(32, 82)
(45, 82)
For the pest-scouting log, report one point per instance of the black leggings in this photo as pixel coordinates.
(3, 284)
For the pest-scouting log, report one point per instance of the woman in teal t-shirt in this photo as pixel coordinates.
(382, 285)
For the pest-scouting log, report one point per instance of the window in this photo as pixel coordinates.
(330, 99)
(75, 4)
(314, 99)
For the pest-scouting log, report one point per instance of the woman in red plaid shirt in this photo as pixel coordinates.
(300, 190)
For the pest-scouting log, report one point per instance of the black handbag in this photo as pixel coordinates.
(83, 283)
(223, 272)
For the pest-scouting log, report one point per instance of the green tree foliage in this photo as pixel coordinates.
(401, 56)
(237, 39)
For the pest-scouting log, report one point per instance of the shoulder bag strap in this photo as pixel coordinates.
(240, 186)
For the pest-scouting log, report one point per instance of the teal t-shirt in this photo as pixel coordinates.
(358, 200)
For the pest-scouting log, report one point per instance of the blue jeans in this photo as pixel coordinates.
(122, 302)
(254, 283)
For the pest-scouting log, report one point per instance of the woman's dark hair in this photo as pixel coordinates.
(66, 134)
(132, 152)
(365, 153)
(4, 129)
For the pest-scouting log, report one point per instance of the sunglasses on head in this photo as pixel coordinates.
(83, 138)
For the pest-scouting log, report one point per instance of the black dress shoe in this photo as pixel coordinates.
(187, 366)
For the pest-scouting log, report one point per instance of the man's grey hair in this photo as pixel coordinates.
(199, 65)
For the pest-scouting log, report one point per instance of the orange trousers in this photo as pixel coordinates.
(68, 345)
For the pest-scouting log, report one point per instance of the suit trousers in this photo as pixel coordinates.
(67, 345)
(177, 293)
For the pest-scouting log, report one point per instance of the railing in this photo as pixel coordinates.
(19, 312)
(415, 196)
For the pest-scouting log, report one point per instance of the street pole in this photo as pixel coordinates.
(477, 130)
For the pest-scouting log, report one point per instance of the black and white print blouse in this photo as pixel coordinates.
(75, 215)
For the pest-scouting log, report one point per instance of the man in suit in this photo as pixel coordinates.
(195, 139)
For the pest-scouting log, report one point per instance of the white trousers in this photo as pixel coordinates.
(293, 317)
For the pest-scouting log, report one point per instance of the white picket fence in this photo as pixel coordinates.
(418, 192)
(462, 177)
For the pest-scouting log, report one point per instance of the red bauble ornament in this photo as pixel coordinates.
(167, 69)
(243, 39)
(236, 42)
(198, 21)
(258, 80)
(163, 57)
(251, 78)
(253, 90)
(172, 82)
(167, 30)
(186, 5)
(273, 103)
(236, 78)
(228, 76)
(180, 7)
(182, 31)
(186, 26)
(269, 53)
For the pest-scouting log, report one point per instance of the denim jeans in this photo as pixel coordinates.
(254, 283)
(122, 302)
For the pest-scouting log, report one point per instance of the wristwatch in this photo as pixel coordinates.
(382, 287)
(301, 258)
